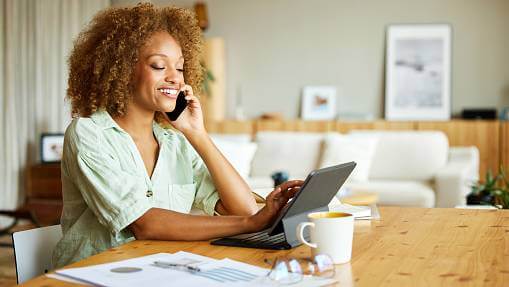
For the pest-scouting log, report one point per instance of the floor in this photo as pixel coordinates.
(7, 267)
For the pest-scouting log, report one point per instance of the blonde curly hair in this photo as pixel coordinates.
(105, 53)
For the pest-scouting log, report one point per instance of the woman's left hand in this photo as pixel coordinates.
(191, 119)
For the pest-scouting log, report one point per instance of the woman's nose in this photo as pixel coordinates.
(172, 76)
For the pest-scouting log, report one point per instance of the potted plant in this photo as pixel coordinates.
(493, 191)
(501, 194)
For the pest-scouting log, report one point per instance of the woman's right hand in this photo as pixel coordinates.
(275, 201)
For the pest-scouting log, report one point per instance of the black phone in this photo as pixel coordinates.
(180, 106)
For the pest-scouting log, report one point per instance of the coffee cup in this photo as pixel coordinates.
(331, 234)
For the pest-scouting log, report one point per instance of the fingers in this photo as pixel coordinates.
(285, 191)
(188, 90)
(191, 99)
(288, 188)
(291, 184)
(275, 194)
(290, 193)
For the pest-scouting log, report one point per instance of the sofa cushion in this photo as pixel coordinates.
(238, 138)
(340, 148)
(407, 155)
(294, 152)
(400, 193)
(239, 154)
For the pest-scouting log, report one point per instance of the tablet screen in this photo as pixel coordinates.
(317, 191)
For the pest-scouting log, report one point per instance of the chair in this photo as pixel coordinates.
(43, 202)
(33, 249)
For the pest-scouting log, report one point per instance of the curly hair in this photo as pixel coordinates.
(105, 53)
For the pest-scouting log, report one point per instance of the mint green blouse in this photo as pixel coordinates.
(106, 187)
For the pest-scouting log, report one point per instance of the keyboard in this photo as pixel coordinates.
(260, 240)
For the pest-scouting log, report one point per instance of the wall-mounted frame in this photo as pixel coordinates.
(418, 72)
(51, 148)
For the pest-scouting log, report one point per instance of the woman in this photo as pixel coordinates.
(124, 174)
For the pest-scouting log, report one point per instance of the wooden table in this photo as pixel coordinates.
(407, 247)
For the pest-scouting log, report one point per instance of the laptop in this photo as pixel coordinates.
(319, 188)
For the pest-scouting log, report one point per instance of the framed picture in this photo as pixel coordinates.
(52, 146)
(318, 103)
(418, 72)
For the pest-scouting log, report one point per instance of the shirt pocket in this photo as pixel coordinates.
(182, 197)
(160, 198)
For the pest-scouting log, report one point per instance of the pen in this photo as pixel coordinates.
(163, 264)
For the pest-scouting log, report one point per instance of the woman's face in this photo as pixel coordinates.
(159, 74)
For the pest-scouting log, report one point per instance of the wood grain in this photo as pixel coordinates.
(407, 247)
(43, 181)
(294, 126)
(483, 134)
(214, 106)
(230, 127)
(44, 193)
(347, 126)
(504, 144)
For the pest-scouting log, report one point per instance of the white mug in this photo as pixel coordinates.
(331, 234)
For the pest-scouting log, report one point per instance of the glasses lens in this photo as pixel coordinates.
(322, 266)
(286, 271)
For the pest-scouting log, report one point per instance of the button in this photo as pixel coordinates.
(149, 193)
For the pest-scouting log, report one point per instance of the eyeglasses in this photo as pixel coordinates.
(287, 270)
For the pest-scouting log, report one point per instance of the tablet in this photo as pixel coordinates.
(315, 194)
(319, 188)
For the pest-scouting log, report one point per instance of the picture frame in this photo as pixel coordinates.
(418, 72)
(318, 103)
(51, 147)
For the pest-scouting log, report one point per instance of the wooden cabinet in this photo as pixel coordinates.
(294, 126)
(44, 193)
(230, 127)
(345, 127)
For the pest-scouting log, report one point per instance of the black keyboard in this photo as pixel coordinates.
(260, 240)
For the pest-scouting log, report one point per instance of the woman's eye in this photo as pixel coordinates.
(180, 70)
(155, 67)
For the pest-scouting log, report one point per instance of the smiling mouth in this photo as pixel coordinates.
(168, 92)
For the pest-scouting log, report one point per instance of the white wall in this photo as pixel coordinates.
(275, 47)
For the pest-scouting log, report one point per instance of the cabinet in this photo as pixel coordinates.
(44, 193)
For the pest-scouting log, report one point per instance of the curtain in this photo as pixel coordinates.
(35, 40)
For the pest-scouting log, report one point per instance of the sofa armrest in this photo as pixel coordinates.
(453, 181)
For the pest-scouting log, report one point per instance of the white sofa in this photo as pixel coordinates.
(405, 168)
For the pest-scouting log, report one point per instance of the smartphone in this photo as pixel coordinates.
(180, 106)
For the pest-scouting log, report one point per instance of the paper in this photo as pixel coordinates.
(66, 279)
(143, 271)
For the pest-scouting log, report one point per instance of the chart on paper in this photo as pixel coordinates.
(181, 269)
(226, 274)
